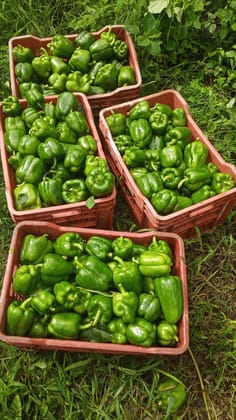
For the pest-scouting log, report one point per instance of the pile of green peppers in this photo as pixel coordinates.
(88, 64)
(52, 152)
(98, 289)
(170, 168)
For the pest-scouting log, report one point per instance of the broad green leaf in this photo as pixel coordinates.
(143, 41)
(157, 6)
(149, 23)
(90, 202)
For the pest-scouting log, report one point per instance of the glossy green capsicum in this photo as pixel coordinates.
(125, 304)
(196, 177)
(141, 332)
(74, 190)
(23, 72)
(92, 273)
(26, 197)
(222, 182)
(55, 268)
(126, 76)
(22, 54)
(79, 60)
(202, 194)
(50, 150)
(164, 201)
(179, 117)
(195, 154)
(100, 309)
(66, 294)
(50, 191)
(107, 77)
(61, 46)
(69, 244)
(77, 121)
(84, 39)
(127, 275)
(150, 183)
(140, 110)
(78, 82)
(149, 307)
(88, 143)
(171, 395)
(117, 123)
(66, 102)
(95, 162)
(99, 246)
(100, 182)
(118, 327)
(141, 132)
(120, 49)
(58, 81)
(101, 49)
(122, 247)
(171, 156)
(152, 263)
(160, 245)
(42, 65)
(134, 157)
(167, 334)
(170, 293)
(11, 106)
(19, 317)
(44, 302)
(28, 145)
(159, 122)
(74, 158)
(25, 279)
(178, 135)
(30, 170)
(34, 247)
(65, 325)
(171, 177)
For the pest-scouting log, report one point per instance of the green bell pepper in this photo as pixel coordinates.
(88, 143)
(163, 108)
(195, 178)
(179, 136)
(35, 98)
(126, 76)
(74, 190)
(50, 150)
(99, 246)
(179, 117)
(15, 159)
(94, 69)
(107, 77)
(122, 247)
(66, 102)
(55, 268)
(42, 65)
(157, 142)
(202, 194)
(161, 246)
(141, 332)
(79, 60)
(167, 334)
(28, 145)
(100, 182)
(222, 182)
(149, 307)
(69, 244)
(33, 248)
(182, 202)
(61, 46)
(77, 121)
(84, 39)
(23, 72)
(65, 133)
(140, 110)
(14, 129)
(127, 275)
(152, 159)
(100, 309)
(25, 86)
(164, 201)
(66, 294)
(171, 156)
(50, 191)
(29, 115)
(11, 106)
(44, 302)
(101, 50)
(74, 159)
(117, 327)
(26, 197)
(43, 128)
(123, 142)
(39, 328)
(117, 123)
(134, 157)
(150, 183)
(65, 325)
(171, 177)
(120, 49)
(19, 317)
(92, 273)
(125, 304)
(171, 395)
(95, 162)
(168, 288)
(141, 132)
(31, 169)
(195, 154)
(78, 82)
(22, 54)
(138, 172)
(109, 36)
(58, 65)
(25, 279)
(152, 263)
(159, 122)
(58, 81)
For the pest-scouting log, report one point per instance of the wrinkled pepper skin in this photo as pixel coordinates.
(167, 334)
(92, 273)
(26, 197)
(171, 395)
(127, 275)
(170, 294)
(195, 154)
(154, 264)
(25, 279)
(33, 248)
(69, 244)
(99, 182)
(19, 317)
(74, 190)
(141, 332)
(125, 305)
(65, 325)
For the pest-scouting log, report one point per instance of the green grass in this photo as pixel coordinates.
(52, 385)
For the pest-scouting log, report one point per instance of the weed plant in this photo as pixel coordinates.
(50, 385)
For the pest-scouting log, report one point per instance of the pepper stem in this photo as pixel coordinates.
(182, 182)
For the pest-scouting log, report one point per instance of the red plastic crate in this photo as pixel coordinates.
(39, 228)
(101, 215)
(204, 215)
(96, 101)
